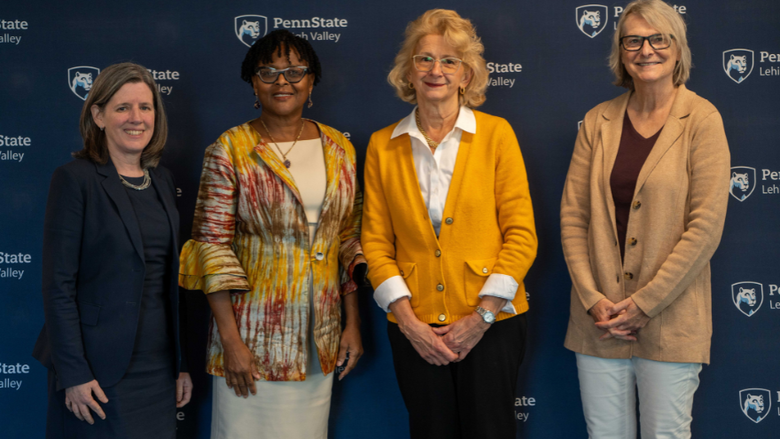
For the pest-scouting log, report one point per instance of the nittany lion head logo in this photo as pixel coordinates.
(250, 28)
(755, 403)
(743, 180)
(592, 19)
(747, 296)
(80, 80)
(738, 63)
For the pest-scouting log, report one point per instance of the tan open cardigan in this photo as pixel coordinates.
(674, 227)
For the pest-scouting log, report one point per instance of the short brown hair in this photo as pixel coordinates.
(457, 32)
(666, 20)
(108, 82)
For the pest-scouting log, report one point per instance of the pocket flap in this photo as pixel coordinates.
(483, 267)
(407, 268)
(88, 313)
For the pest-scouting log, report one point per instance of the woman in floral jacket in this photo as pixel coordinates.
(275, 246)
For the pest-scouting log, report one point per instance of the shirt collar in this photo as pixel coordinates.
(466, 122)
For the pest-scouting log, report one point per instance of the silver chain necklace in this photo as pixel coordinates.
(145, 184)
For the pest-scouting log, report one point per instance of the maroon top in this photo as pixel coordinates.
(632, 153)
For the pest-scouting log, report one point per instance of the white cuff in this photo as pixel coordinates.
(390, 290)
(499, 285)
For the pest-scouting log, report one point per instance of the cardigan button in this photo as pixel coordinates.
(637, 204)
(319, 256)
(437, 253)
(628, 275)
(484, 270)
(449, 220)
(440, 287)
(442, 317)
(633, 241)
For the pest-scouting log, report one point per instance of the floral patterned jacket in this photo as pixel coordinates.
(250, 236)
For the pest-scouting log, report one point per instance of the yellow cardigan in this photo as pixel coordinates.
(488, 226)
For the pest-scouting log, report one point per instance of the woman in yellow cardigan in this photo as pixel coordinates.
(449, 274)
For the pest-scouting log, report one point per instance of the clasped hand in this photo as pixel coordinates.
(621, 320)
(446, 344)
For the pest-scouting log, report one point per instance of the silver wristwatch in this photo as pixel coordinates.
(487, 316)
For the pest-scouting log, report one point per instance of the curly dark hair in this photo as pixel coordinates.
(279, 41)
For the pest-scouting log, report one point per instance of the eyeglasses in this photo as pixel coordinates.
(634, 43)
(425, 63)
(269, 75)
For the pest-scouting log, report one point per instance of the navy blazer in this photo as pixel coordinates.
(93, 273)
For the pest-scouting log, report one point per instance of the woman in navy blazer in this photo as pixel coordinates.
(111, 339)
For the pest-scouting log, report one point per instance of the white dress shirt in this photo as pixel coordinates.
(434, 173)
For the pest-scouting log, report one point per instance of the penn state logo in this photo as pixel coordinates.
(755, 403)
(742, 182)
(738, 64)
(747, 296)
(80, 80)
(250, 28)
(592, 19)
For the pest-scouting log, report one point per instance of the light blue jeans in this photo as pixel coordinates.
(609, 389)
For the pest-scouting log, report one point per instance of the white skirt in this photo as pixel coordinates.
(280, 410)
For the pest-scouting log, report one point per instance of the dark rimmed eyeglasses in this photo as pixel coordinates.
(425, 63)
(269, 75)
(634, 43)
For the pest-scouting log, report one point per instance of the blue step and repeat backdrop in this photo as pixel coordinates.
(548, 67)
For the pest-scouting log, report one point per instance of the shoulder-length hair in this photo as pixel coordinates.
(457, 32)
(108, 82)
(665, 19)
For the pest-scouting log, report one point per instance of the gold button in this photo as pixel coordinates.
(485, 270)
(438, 253)
(442, 317)
(448, 220)
(637, 204)
(628, 275)
(440, 287)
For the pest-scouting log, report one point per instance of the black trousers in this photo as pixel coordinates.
(471, 399)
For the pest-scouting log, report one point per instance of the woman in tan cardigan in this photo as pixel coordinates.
(450, 275)
(642, 214)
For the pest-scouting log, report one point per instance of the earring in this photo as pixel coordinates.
(462, 90)
(411, 86)
(310, 104)
(257, 104)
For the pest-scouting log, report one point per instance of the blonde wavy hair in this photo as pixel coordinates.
(665, 19)
(457, 32)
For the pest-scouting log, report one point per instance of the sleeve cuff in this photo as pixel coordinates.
(389, 291)
(210, 268)
(502, 286)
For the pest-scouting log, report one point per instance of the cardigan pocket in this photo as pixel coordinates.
(475, 276)
(409, 273)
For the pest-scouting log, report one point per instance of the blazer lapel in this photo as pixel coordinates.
(669, 135)
(611, 132)
(334, 162)
(274, 163)
(118, 195)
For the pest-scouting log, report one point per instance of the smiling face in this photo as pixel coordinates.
(127, 119)
(283, 98)
(434, 86)
(647, 65)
